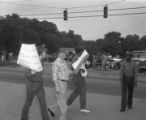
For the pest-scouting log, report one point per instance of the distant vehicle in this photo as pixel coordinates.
(140, 58)
(115, 63)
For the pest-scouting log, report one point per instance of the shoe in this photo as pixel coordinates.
(129, 107)
(122, 110)
(51, 112)
(85, 110)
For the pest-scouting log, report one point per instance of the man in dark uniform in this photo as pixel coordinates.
(128, 78)
(79, 86)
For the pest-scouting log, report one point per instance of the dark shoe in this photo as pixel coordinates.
(51, 112)
(129, 107)
(122, 109)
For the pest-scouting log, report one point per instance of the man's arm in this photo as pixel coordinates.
(135, 74)
(55, 76)
(121, 72)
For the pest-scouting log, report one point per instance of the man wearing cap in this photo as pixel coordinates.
(60, 75)
(128, 79)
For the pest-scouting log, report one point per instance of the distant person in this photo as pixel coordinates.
(104, 61)
(128, 78)
(60, 72)
(79, 84)
(110, 59)
(99, 61)
(138, 60)
(91, 61)
(94, 61)
(35, 87)
(3, 57)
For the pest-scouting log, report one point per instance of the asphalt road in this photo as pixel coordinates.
(100, 85)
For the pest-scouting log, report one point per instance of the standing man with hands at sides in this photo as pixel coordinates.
(128, 78)
(79, 84)
(60, 72)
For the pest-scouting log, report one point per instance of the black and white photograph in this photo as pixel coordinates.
(72, 59)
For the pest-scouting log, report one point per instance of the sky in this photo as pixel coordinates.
(91, 28)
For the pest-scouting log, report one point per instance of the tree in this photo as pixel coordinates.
(112, 40)
(142, 43)
(130, 43)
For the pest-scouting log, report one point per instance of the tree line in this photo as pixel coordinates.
(15, 30)
(115, 44)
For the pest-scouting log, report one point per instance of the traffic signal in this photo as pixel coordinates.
(65, 14)
(105, 11)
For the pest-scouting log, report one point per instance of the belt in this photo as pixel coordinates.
(35, 81)
(63, 80)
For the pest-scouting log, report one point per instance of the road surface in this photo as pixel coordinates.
(100, 85)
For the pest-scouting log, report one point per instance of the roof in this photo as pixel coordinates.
(139, 51)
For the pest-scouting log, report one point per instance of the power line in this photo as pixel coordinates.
(60, 13)
(15, 3)
(72, 17)
(41, 14)
(136, 13)
(111, 9)
(124, 14)
(28, 5)
(90, 11)
(127, 8)
(116, 2)
(48, 18)
(96, 5)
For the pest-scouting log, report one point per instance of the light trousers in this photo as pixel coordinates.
(61, 100)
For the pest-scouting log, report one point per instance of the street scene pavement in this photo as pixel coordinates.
(102, 99)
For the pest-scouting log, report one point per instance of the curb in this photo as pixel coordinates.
(115, 78)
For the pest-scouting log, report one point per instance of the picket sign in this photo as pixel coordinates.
(76, 65)
(29, 58)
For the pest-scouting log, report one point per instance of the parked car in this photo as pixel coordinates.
(115, 63)
(140, 58)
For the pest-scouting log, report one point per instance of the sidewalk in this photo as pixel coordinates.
(103, 107)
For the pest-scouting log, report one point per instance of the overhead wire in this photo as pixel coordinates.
(130, 8)
(89, 11)
(121, 14)
(28, 5)
(116, 2)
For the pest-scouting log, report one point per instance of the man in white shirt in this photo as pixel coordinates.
(60, 72)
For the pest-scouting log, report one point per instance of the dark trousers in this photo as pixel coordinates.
(127, 87)
(79, 90)
(35, 88)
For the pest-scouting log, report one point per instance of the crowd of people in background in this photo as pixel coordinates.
(102, 61)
